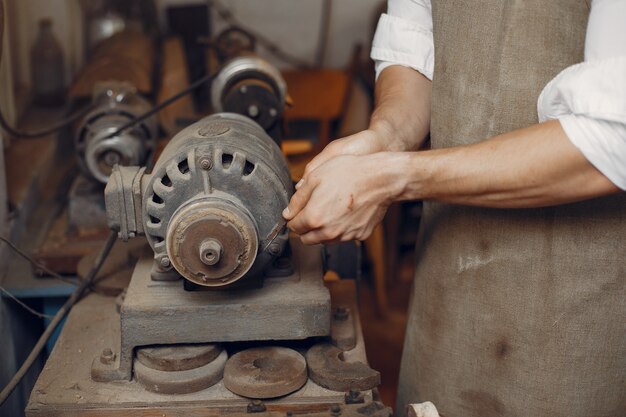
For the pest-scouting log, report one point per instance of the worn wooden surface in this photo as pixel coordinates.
(65, 388)
(174, 78)
(128, 56)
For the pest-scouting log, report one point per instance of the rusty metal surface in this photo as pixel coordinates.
(211, 242)
(328, 369)
(285, 308)
(224, 173)
(182, 381)
(265, 372)
(178, 357)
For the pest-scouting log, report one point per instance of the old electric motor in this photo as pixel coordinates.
(251, 86)
(209, 207)
(115, 105)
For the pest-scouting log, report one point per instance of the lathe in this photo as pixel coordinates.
(225, 314)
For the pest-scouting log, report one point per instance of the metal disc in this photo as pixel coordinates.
(265, 372)
(211, 242)
(178, 357)
(181, 382)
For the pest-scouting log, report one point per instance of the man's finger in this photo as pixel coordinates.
(298, 201)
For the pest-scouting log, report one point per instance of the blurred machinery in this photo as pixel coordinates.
(249, 85)
(226, 314)
(99, 149)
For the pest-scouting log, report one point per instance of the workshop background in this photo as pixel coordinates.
(320, 46)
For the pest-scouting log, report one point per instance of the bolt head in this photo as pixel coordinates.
(205, 163)
(274, 249)
(107, 356)
(165, 262)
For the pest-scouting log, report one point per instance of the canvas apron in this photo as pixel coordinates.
(513, 312)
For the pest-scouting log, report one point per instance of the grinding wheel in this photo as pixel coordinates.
(328, 369)
(179, 369)
(265, 372)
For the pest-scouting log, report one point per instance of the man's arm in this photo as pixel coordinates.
(400, 122)
(531, 167)
(537, 166)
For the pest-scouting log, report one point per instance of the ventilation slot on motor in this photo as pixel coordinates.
(155, 220)
(183, 166)
(227, 160)
(166, 181)
(248, 168)
(157, 199)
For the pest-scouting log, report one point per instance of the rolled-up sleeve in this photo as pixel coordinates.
(404, 36)
(589, 99)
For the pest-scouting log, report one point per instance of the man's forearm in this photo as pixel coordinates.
(531, 167)
(402, 114)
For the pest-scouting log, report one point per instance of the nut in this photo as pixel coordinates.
(165, 262)
(274, 249)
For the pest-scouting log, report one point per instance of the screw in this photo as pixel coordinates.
(273, 112)
(205, 164)
(256, 406)
(274, 249)
(341, 313)
(354, 397)
(243, 89)
(107, 356)
(253, 111)
(335, 410)
(165, 262)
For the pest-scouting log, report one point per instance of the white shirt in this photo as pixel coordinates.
(589, 99)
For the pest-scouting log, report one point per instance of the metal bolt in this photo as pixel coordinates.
(107, 356)
(205, 164)
(111, 158)
(274, 249)
(256, 406)
(273, 112)
(165, 262)
(253, 111)
(335, 410)
(210, 252)
(341, 313)
(354, 397)
(243, 89)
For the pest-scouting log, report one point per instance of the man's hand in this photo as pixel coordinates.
(362, 143)
(344, 198)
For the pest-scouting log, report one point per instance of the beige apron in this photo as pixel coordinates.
(514, 312)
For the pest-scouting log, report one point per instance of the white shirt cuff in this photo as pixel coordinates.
(404, 42)
(603, 143)
(589, 99)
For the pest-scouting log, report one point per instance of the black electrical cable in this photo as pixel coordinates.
(33, 262)
(75, 297)
(163, 104)
(47, 130)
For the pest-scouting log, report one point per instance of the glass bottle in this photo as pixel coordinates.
(47, 67)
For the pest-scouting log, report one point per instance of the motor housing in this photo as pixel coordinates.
(210, 205)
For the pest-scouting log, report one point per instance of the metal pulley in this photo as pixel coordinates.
(211, 203)
(251, 86)
(115, 105)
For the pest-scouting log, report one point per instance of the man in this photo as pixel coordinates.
(514, 312)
